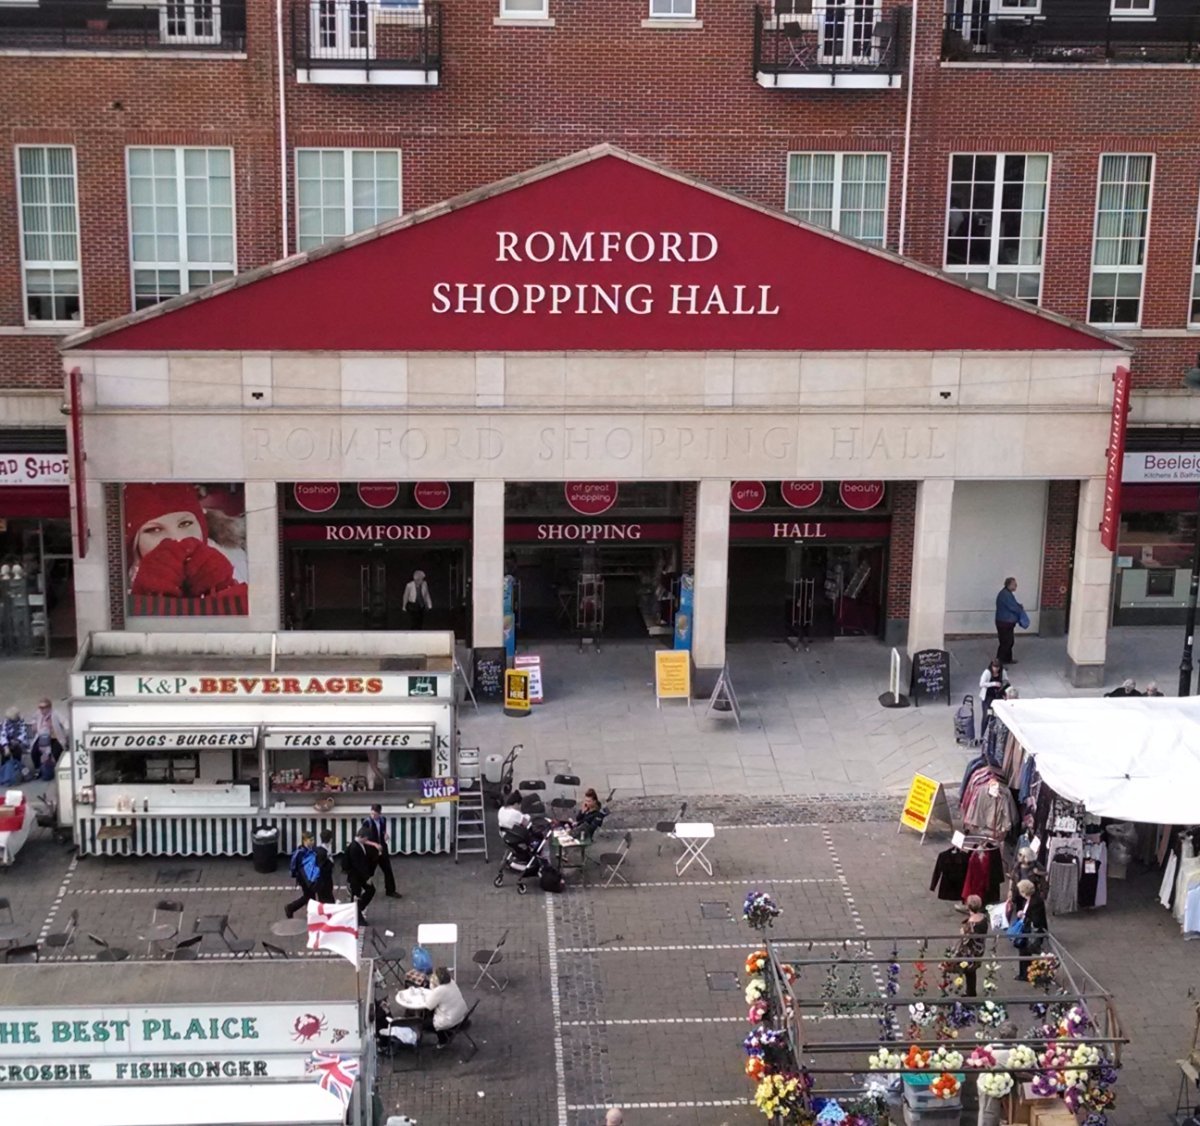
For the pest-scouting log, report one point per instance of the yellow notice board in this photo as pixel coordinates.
(673, 675)
(516, 692)
(925, 803)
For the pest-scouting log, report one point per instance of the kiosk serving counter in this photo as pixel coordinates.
(184, 745)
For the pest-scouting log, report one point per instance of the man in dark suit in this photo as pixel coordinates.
(374, 829)
(359, 867)
(323, 888)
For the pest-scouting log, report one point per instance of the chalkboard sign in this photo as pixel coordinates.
(489, 673)
(930, 675)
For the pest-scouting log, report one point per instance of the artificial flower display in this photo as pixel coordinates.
(922, 1014)
(1076, 1021)
(756, 988)
(756, 1067)
(1045, 1085)
(759, 1011)
(1042, 970)
(995, 1084)
(1022, 1058)
(944, 1059)
(945, 1086)
(981, 1057)
(759, 910)
(883, 1060)
(756, 961)
(991, 1014)
(780, 1096)
(761, 1040)
(916, 1059)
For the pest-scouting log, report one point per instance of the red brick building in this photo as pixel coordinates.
(1044, 148)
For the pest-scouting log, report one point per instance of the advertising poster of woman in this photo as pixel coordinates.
(185, 550)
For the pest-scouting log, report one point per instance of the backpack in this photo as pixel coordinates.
(299, 861)
(311, 867)
(422, 960)
(551, 879)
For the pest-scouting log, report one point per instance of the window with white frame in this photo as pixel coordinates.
(844, 191)
(996, 221)
(1119, 244)
(49, 218)
(181, 220)
(1018, 7)
(1132, 8)
(672, 9)
(524, 9)
(340, 191)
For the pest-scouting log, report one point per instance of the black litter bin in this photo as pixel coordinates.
(266, 849)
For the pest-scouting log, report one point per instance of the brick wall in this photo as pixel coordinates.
(900, 560)
(114, 533)
(1062, 507)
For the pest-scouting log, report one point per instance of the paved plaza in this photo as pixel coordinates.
(612, 1001)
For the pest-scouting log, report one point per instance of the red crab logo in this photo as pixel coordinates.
(309, 1026)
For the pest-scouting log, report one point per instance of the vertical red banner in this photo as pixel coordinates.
(1110, 521)
(78, 461)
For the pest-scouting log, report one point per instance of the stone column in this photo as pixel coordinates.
(712, 579)
(262, 558)
(487, 565)
(91, 573)
(931, 559)
(1091, 592)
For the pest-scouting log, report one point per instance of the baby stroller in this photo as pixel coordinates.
(525, 853)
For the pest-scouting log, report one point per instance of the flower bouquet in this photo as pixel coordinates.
(1042, 970)
(759, 910)
(945, 1087)
(995, 1084)
(991, 1014)
(1022, 1058)
(756, 988)
(916, 1059)
(944, 1059)
(756, 1067)
(781, 1097)
(1076, 1021)
(759, 1011)
(756, 961)
(981, 1057)
(760, 1041)
(922, 1014)
(1084, 1055)
(883, 1060)
(1045, 1085)
(1055, 1057)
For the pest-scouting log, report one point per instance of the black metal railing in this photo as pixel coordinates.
(1052, 38)
(367, 35)
(830, 38)
(189, 25)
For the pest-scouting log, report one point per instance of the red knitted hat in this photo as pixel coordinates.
(144, 503)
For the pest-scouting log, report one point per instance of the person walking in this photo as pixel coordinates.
(1009, 614)
(359, 867)
(416, 600)
(47, 734)
(323, 885)
(992, 685)
(374, 828)
(1034, 936)
(303, 869)
(1128, 688)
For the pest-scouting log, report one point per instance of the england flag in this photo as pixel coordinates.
(334, 927)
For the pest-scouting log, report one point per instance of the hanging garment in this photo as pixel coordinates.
(949, 872)
(1168, 881)
(1191, 913)
(1093, 880)
(980, 880)
(1063, 897)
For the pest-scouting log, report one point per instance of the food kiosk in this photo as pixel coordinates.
(187, 745)
(187, 1043)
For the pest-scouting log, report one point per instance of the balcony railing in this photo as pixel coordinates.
(88, 25)
(817, 44)
(367, 41)
(1071, 39)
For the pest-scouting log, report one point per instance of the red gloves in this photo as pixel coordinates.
(183, 568)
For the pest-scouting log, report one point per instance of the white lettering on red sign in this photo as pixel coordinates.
(432, 495)
(317, 496)
(591, 498)
(798, 532)
(374, 533)
(747, 496)
(861, 495)
(589, 531)
(378, 494)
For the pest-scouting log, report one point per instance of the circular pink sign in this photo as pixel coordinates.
(432, 495)
(378, 494)
(317, 496)
(801, 494)
(861, 495)
(747, 496)
(590, 498)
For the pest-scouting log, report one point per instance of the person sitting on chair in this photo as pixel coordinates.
(590, 816)
(510, 816)
(445, 1004)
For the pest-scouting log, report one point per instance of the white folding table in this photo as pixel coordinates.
(440, 934)
(694, 836)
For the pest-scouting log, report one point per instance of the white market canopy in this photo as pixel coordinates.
(1129, 758)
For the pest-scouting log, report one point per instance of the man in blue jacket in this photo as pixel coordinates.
(1008, 613)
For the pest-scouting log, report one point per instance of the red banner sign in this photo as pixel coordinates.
(1110, 520)
(317, 496)
(747, 496)
(810, 529)
(432, 495)
(801, 494)
(378, 494)
(591, 498)
(580, 531)
(390, 531)
(862, 496)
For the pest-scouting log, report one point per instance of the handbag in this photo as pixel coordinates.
(1023, 620)
(1016, 932)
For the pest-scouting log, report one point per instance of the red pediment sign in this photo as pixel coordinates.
(600, 251)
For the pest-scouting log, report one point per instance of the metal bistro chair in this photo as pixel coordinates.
(667, 828)
(275, 951)
(613, 861)
(64, 940)
(26, 953)
(187, 949)
(562, 806)
(531, 798)
(166, 921)
(461, 1029)
(238, 947)
(107, 953)
(389, 960)
(486, 959)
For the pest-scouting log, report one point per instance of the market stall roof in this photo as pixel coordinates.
(209, 1104)
(1130, 758)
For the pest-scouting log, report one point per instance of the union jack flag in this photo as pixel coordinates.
(336, 1074)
